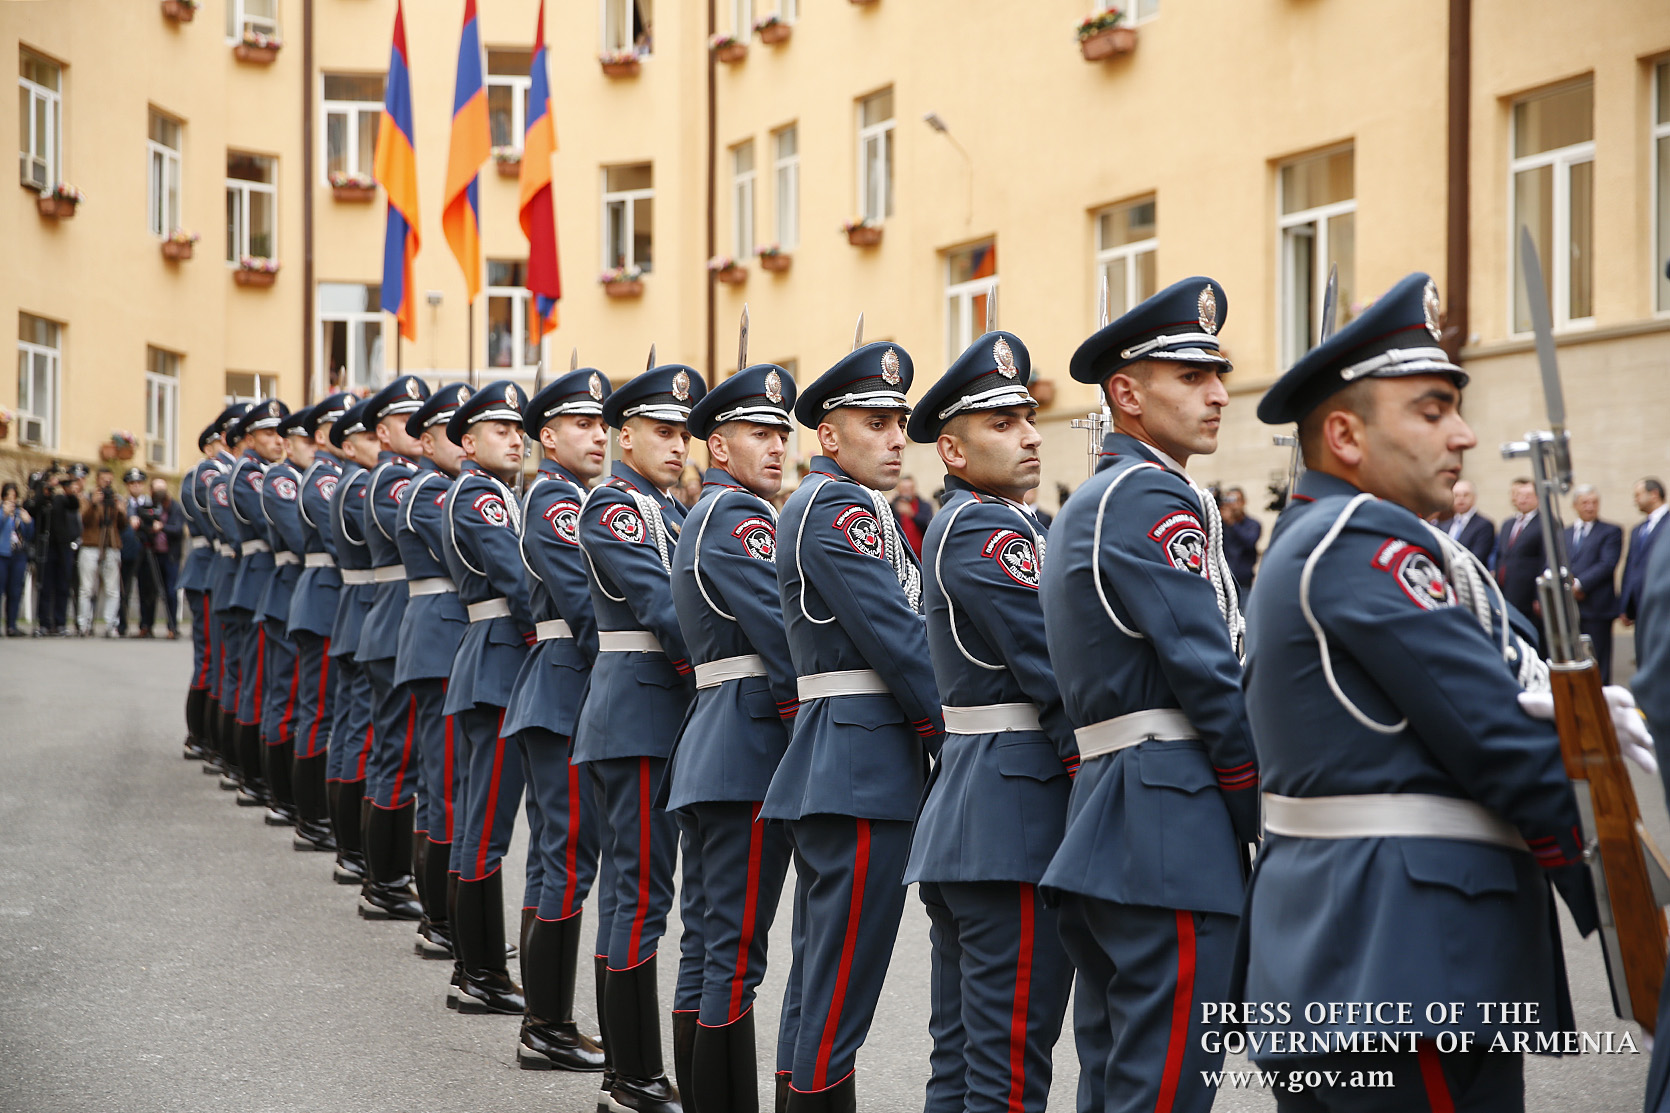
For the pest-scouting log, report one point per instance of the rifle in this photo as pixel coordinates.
(1097, 423)
(1290, 441)
(1632, 882)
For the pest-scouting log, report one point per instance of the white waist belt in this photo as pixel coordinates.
(991, 718)
(199, 542)
(1111, 735)
(318, 560)
(352, 577)
(489, 608)
(627, 641)
(255, 546)
(850, 682)
(711, 674)
(281, 559)
(225, 550)
(1407, 815)
(434, 585)
(389, 574)
(551, 629)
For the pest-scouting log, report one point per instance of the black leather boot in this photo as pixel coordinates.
(196, 734)
(783, 1079)
(212, 760)
(387, 893)
(252, 793)
(722, 1069)
(435, 928)
(839, 1098)
(233, 772)
(478, 939)
(307, 786)
(600, 982)
(279, 757)
(684, 1046)
(633, 1018)
(550, 1038)
(345, 797)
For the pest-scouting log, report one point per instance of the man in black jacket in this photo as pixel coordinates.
(1519, 553)
(1593, 548)
(1466, 526)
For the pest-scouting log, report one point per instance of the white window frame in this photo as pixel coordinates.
(162, 400)
(744, 201)
(28, 350)
(1125, 255)
(1292, 347)
(244, 189)
(356, 322)
(1136, 11)
(238, 21)
(788, 10)
(962, 295)
(54, 102)
(607, 45)
(786, 183)
(1660, 182)
(879, 168)
(1557, 259)
(163, 167)
(520, 300)
(266, 386)
(742, 19)
(521, 88)
(625, 198)
(358, 161)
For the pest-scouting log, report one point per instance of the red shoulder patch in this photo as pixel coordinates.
(492, 509)
(564, 516)
(758, 537)
(1015, 554)
(1183, 540)
(625, 523)
(1416, 572)
(862, 531)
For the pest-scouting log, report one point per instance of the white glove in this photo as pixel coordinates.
(1634, 740)
(1538, 705)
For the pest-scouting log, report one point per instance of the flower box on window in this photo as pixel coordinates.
(772, 30)
(728, 48)
(253, 270)
(121, 445)
(774, 259)
(622, 282)
(727, 270)
(180, 11)
(352, 187)
(509, 161)
(619, 63)
(1044, 391)
(1104, 35)
(258, 48)
(59, 202)
(861, 233)
(179, 244)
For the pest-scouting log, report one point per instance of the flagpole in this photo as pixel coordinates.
(399, 350)
(469, 329)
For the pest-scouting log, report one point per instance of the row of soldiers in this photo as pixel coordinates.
(1065, 750)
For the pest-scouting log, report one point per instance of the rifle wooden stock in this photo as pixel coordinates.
(1628, 905)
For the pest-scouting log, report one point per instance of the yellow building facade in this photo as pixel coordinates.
(1257, 141)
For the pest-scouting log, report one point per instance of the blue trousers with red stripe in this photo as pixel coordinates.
(640, 849)
(252, 674)
(1142, 974)
(1000, 984)
(281, 679)
(1423, 1081)
(563, 795)
(351, 721)
(202, 642)
(233, 628)
(852, 871)
(316, 695)
(490, 797)
(391, 769)
(436, 755)
(743, 863)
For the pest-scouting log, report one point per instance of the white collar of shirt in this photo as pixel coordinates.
(1653, 518)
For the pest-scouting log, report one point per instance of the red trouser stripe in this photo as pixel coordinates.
(1023, 1003)
(571, 857)
(201, 680)
(405, 753)
(492, 800)
(860, 869)
(1182, 1004)
(319, 708)
(756, 838)
(365, 752)
(290, 702)
(643, 863)
(1432, 1076)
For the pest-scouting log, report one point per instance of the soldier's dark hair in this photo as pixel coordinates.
(1357, 398)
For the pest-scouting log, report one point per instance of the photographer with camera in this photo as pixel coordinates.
(161, 529)
(17, 530)
(54, 502)
(103, 520)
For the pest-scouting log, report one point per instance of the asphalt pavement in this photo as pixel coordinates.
(163, 949)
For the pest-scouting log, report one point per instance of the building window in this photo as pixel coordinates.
(38, 364)
(1135, 10)
(251, 198)
(1661, 183)
(163, 190)
(508, 343)
(786, 158)
(742, 200)
(245, 16)
(627, 26)
(508, 88)
(970, 280)
(1553, 175)
(1126, 249)
(162, 407)
(875, 156)
(628, 216)
(1318, 213)
(250, 386)
(742, 18)
(39, 121)
(788, 10)
(351, 334)
(353, 106)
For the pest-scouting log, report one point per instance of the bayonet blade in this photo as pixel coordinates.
(574, 359)
(991, 309)
(651, 362)
(1102, 303)
(1542, 323)
(1330, 305)
(742, 340)
(858, 334)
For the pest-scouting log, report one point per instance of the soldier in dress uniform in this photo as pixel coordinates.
(386, 813)
(351, 729)
(1415, 816)
(201, 709)
(724, 583)
(640, 691)
(313, 607)
(484, 557)
(281, 667)
(1144, 630)
(223, 625)
(430, 632)
(566, 420)
(850, 782)
(997, 801)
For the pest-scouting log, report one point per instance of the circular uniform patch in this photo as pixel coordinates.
(1019, 560)
(624, 523)
(862, 530)
(564, 517)
(759, 539)
(285, 488)
(1423, 581)
(492, 509)
(220, 495)
(326, 485)
(1184, 541)
(254, 479)
(398, 488)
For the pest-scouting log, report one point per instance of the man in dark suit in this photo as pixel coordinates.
(1649, 500)
(1593, 548)
(1519, 553)
(1466, 526)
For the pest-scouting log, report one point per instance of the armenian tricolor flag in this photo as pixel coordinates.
(396, 168)
(537, 206)
(472, 142)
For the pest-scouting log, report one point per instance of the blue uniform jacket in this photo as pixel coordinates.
(862, 755)
(217, 504)
(352, 554)
(433, 625)
(724, 584)
(996, 802)
(552, 684)
(1398, 919)
(380, 636)
(1161, 823)
(313, 604)
(194, 570)
(280, 503)
(637, 701)
(485, 557)
(256, 568)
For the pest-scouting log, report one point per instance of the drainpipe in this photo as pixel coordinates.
(712, 185)
(1457, 255)
(307, 202)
